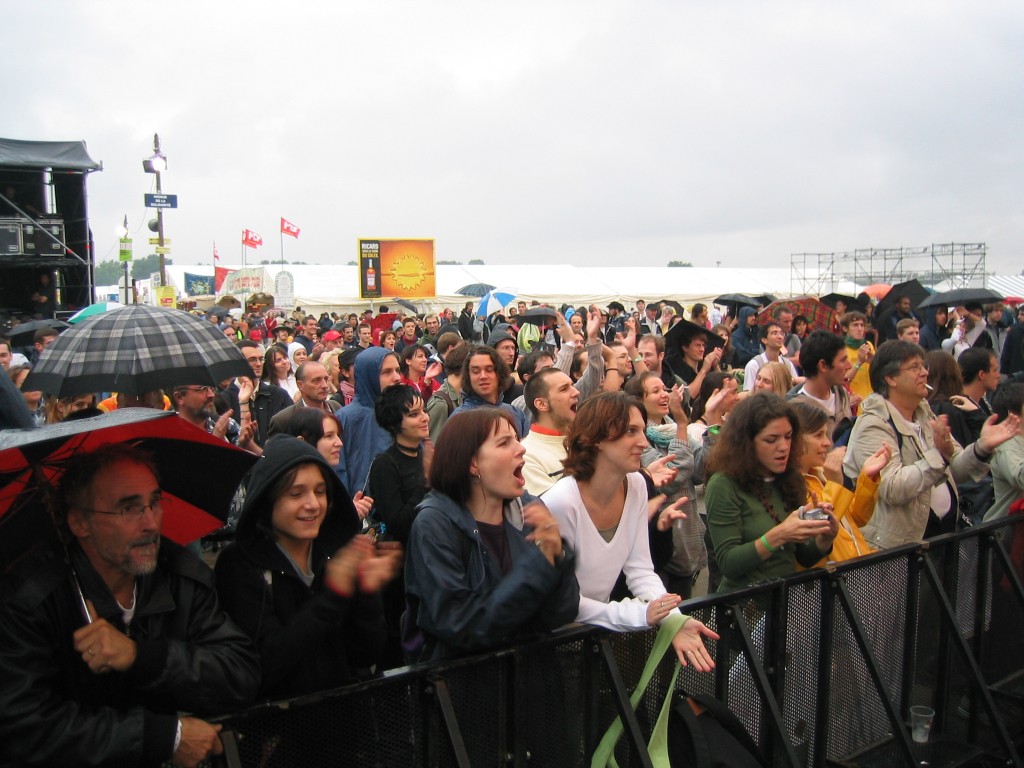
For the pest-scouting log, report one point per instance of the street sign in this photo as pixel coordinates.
(161, 201)
(156, 241)
(160, 250)
(125, 251)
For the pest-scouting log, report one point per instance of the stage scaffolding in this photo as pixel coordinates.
(953, 265)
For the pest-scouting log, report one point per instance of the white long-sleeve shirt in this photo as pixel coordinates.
(598, 562)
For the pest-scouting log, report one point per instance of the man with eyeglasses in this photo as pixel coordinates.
(254, 399)
(103, 644)
(917, 496)
(194, 403)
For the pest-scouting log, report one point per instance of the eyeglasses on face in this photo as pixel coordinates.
(205, 389)
(134, 510)
(916, 368)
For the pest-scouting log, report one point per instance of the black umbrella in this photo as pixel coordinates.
(407, 304)
(682, 333)
(28, 329)
(199, 473)
(960, 296)
(675, 305)
(475, 289)
(738, 298)
(830, 299)
(539, 315)
(136, 350)
(912, 289)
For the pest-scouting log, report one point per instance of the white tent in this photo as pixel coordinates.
(336, 287)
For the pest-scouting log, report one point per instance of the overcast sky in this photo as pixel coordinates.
(585, 133)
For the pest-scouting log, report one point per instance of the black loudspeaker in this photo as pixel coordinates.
(10, 237)
(38, 242)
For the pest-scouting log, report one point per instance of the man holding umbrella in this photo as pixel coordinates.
(98, 674)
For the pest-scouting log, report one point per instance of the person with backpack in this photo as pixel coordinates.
(448, 397)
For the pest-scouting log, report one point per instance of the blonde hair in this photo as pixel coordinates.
(782, 379)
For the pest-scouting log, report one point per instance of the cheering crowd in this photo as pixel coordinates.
(429, 487)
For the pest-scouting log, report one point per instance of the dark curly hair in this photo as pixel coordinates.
(734, 453)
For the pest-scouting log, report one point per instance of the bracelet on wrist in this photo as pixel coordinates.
(769, 547)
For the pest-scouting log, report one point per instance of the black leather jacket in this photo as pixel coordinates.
(191, 657)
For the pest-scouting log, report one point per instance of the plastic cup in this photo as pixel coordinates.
(921, 723)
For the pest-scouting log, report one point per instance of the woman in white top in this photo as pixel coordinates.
(277, 369)
(602, 510)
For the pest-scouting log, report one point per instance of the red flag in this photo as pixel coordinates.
(216, 256)
(219, 276)
(288, 228)
(251, 239)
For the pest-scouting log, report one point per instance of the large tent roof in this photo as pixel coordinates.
(56, 155)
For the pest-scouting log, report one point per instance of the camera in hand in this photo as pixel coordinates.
(816, 513)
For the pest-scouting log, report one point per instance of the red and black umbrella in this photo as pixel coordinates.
(199, 473)
(819, 315)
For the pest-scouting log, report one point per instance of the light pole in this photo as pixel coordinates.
(157, 164)
(125, 255)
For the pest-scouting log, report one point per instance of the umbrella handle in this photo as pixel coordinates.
(81, 596)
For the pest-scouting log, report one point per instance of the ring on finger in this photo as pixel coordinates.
(92, 652)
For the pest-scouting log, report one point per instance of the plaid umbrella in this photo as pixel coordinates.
(820, 316)
(198, 472)
(136, 350)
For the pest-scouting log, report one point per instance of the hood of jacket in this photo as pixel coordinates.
(281, 454)
(742, 329)
(367, 370)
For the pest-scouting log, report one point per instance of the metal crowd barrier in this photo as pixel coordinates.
(822, 667)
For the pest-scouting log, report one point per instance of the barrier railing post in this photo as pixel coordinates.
(975, 676)
(826, 635)
(781, 743)
(891, 711)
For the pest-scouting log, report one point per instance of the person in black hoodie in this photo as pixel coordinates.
(299, 579)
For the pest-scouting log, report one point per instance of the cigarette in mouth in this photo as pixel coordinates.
(930, 387)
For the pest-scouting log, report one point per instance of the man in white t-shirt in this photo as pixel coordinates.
(552, 400)
(774, 339)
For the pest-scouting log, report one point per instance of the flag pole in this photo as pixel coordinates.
(280, 234)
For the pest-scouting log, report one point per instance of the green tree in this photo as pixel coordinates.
(476, 261)
(108, 272)
(680, 264)
(147, 265)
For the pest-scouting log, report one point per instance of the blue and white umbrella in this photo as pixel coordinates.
(495, 300)
(95, 309)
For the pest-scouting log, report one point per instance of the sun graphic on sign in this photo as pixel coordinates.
(407, 268)
(407, 271)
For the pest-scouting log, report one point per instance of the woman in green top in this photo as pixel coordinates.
(757, 494)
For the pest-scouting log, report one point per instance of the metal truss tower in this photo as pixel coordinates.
(958, 265)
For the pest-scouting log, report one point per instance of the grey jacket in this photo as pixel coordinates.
(904, 493)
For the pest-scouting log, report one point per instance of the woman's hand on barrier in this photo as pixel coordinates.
(690, 648)
(662, 607)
